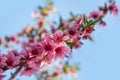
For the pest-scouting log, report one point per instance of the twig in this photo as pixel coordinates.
(15, 73)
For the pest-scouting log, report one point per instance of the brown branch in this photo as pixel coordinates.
(15, 73)
(20, 67)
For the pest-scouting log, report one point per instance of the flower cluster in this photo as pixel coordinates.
(35, 55)
(42, 46)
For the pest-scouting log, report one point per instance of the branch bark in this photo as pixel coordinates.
(15, 73)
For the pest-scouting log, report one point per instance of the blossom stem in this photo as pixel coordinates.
(20, 67)
(15, 73)
(99, 19)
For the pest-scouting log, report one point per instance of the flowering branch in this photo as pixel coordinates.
(42, 46)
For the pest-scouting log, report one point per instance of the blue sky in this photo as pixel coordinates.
(99, 59)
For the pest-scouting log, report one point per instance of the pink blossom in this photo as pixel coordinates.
(32, 55)
(35, 49)
(41, 21)
(104, 10)
(32, 66)
(25, 55)
(73, 32)
(77, 44)
(1, 70)
(3, 59)
(52, 26)
(16, 53)
(102, 23)
(113, 8)
(59, 37)
(48, 46)
(79, 22)
(13, 38)
(95, 15)
(64, 24)
(61, 51)
(36, 14)
(48, 59)
(1, 77)
(87, 33)
(12, 59)
(28, 71)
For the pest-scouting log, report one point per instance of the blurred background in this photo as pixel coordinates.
(99, 60)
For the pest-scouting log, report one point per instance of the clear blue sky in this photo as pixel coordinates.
(100, 60)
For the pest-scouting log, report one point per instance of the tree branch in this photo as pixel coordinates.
(15, 73)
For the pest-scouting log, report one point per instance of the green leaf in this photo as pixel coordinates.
(60, 19)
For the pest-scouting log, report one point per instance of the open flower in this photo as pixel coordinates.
(12, 59)
(73, 33)
(35, 49)
(48, 46)
(59, 37)
(61, 51)
(113, 8)
(3, 59)
(95, 15)
(25, 55)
